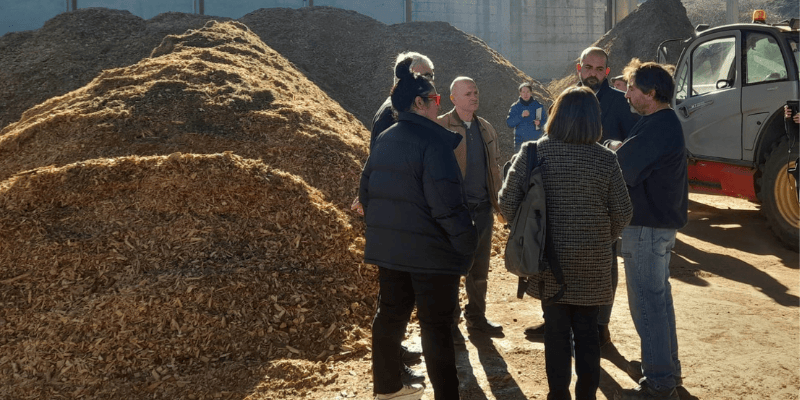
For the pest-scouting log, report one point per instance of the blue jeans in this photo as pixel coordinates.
(646, 252)
(436, 296)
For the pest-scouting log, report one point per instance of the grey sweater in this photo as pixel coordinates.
(587, 208)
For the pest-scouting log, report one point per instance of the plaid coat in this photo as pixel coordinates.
(587, 208)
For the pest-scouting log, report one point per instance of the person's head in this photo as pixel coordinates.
(525, 91)
(575, 117)
(619, 83)
(414, 92)
(593, 67)
(650, 86)
(420, 64)
(464, 95)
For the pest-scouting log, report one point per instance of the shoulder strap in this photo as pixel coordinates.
(533, 161)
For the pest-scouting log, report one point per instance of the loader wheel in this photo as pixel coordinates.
(779, 194)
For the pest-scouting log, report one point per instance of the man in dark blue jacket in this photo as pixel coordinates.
(653, 163)
(616, 116)
(617, 120)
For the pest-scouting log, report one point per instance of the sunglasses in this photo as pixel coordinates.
(436, 97)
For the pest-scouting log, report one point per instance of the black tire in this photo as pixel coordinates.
(779, 194)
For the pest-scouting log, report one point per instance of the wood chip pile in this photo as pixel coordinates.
(346, 54)
(638, 35)
(207, 91)
(178, 229)
(73, 47)
(323, 41)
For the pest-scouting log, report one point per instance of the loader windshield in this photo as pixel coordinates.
(764, 60)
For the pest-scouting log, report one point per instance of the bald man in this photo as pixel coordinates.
(478, 158)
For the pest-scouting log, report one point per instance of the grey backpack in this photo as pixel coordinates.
(529, 236)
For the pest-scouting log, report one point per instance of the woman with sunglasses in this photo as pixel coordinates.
(419, 234)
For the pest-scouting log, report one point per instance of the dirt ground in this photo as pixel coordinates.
(736, 299)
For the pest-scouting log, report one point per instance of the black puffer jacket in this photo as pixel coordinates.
(414, 203)
(383, 119)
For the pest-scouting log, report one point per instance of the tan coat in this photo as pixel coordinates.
(494, 181)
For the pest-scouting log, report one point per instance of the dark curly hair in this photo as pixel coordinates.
(649, 76)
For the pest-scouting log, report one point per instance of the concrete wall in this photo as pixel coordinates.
(538, 36)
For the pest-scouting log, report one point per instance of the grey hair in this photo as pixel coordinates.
(416, 59)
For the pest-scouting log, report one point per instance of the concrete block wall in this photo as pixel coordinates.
(540, 37)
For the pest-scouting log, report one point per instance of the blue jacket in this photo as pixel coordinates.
(524, 128)
(414, 203)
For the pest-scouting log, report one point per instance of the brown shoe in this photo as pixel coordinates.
(536, 330)
(634, 370)
(485, 326)
(645, 392)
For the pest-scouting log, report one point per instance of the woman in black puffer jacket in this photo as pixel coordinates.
(419, 234)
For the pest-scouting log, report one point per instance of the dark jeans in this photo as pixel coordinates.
(605, 311)
(582, 320)
(478, 277)
(436, 296)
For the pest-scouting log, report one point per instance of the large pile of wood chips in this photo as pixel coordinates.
(638, 35)
(178, 228)
(348, 55)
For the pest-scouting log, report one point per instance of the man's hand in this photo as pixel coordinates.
(787, 113)
(613, 144)
(525, 113)
(357, 207)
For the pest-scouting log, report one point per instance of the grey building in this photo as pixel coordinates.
(540, 37)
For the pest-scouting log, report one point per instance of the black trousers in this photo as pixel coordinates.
(582, 321)
(436, 296)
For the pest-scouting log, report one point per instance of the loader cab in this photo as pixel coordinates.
(730, 81)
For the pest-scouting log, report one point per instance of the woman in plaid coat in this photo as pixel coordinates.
(587, 208)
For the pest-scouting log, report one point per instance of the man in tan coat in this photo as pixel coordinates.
(478, 158)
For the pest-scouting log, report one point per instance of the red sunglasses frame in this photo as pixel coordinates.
(436, 97)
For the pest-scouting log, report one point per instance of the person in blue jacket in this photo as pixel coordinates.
(524, 117)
